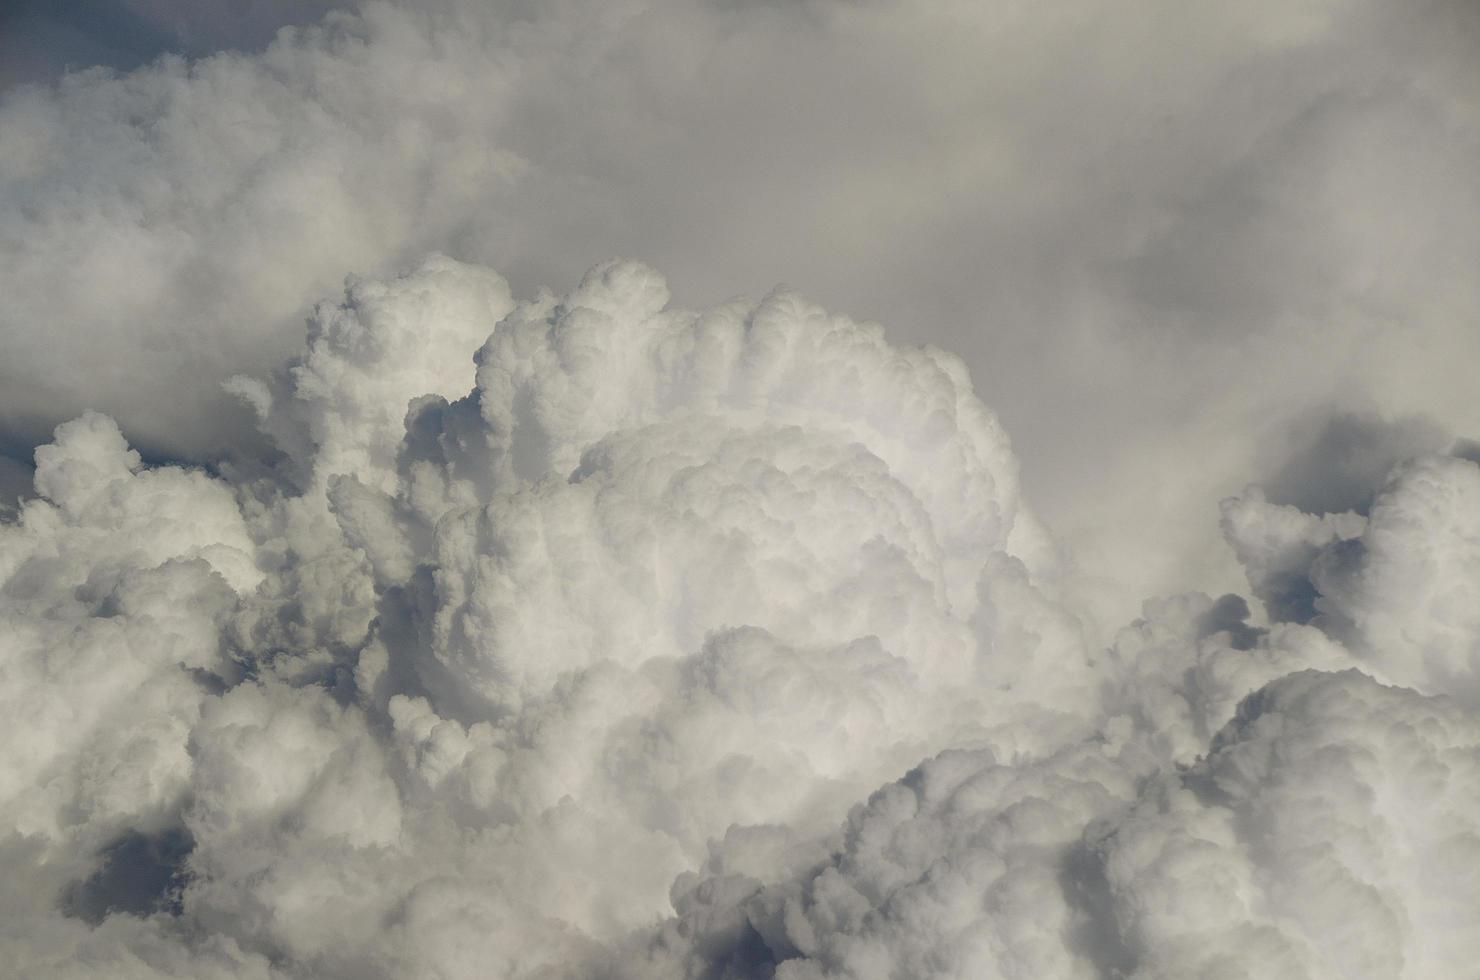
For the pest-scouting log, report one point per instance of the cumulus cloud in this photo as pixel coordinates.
(1117, 215)
(394, 627)
(117, 584)
(1328, 833)
(1339, 462)
(590, 636)
(1397, 586)
(657, 575)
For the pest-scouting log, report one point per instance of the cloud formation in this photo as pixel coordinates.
(1396, 586)
(429, 623)
(1118, 215)
(589, 636)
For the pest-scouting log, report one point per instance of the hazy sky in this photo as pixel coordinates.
(533, 478)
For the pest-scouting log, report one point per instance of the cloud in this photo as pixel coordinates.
(1394, 586)
(1116, 216)
(118, 581)
(1341, 466)
(1323, 836)
(590, 635)
(659, 574)
(341, 406)
(627, 630)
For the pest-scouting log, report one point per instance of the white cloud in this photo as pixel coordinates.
(1117, 215)
(1330, 832)
(658, 575)
(118, 582)
(589, 635)
(581, 675)
(1398, 585)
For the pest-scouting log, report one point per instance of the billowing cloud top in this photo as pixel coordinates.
(1161, 234)
(593, 637)
(624, 632)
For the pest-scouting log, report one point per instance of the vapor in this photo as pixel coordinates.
(1166, 237)
(428, 623)
(641, 642)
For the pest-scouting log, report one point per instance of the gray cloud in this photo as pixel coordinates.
(1343, 463)
(521, 633)
(1118, 216)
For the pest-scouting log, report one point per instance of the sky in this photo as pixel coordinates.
(708, 488)
(42, 40)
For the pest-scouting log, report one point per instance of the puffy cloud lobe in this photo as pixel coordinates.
(1398, 586)
(663, 572)
(646, 551)
(643, 476)
(1405, 593)
(962, 869)
(1330, 832)
(1277, 544)
(341, 406)
(117, 512)
(559, 376)
(117, 583)
(1175, 676)
(296, 822)
(338, 408)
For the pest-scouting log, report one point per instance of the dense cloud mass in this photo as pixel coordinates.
(604, 653)
(428, 624)
(1163, 235)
